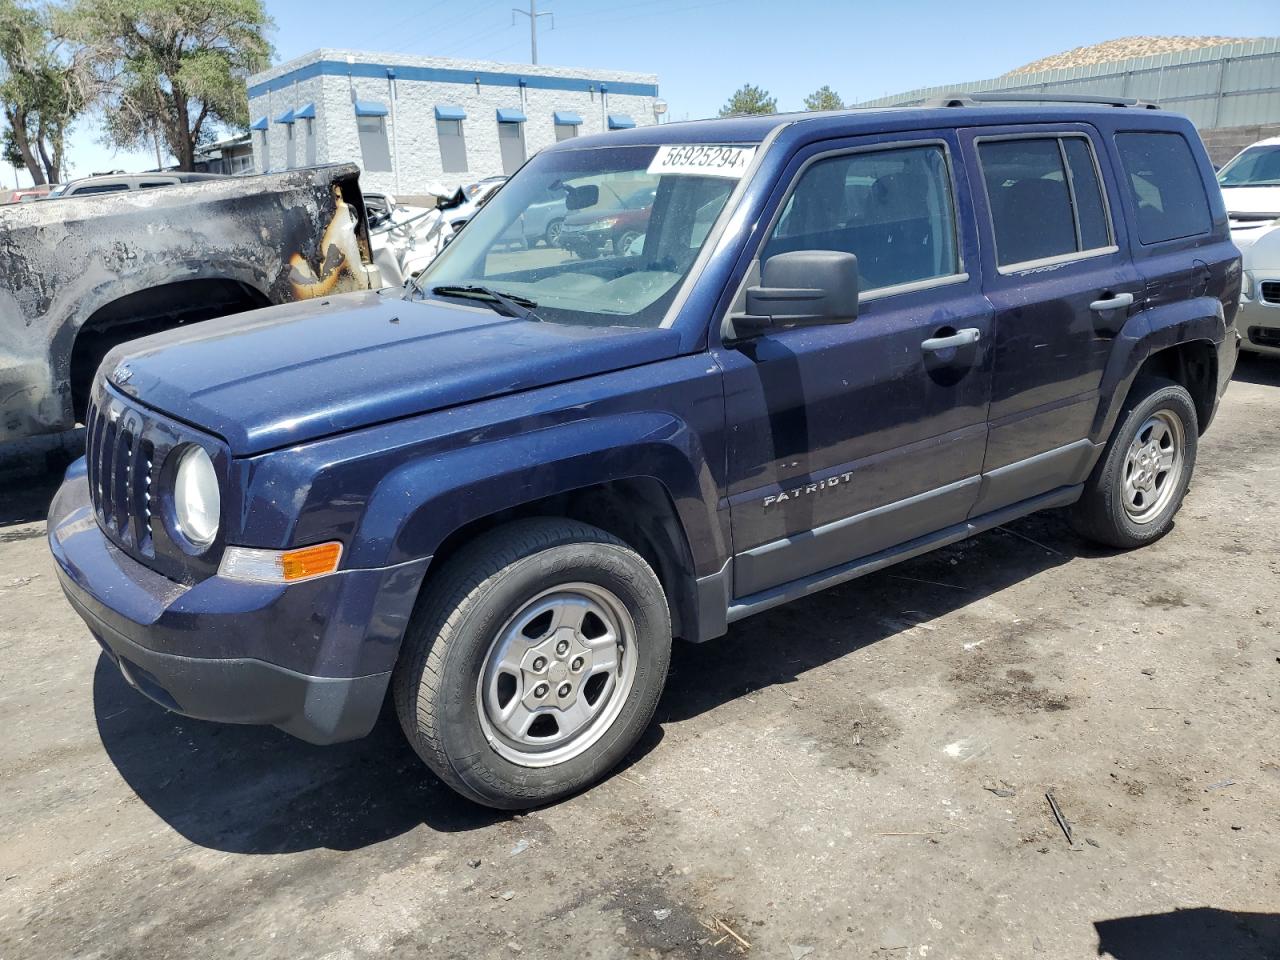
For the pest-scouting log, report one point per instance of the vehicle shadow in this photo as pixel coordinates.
(1192, 934)
(1264, 371)
(777, 647)
(246, 789)
(27, 500)
(257, 790)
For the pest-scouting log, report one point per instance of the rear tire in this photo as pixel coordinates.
(1138, 484)
(534, 662)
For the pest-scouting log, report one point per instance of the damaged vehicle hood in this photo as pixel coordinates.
(298, 372)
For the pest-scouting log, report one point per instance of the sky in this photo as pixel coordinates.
(703, 50)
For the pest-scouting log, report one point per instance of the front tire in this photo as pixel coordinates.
(552, 235)
(1138, 484)
(534, 662)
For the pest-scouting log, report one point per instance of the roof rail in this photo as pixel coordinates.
(973, 99)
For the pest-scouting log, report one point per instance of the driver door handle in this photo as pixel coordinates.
(1115, 302)
(961, 338)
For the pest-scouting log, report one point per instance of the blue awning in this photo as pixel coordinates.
(620, 121)
(447, 111)
(370, 108)
(510, 115)
(568, 118)
(286, 117)
(306, 113)
(259, 124)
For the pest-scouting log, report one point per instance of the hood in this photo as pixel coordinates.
(1252, 201)
(288, 374)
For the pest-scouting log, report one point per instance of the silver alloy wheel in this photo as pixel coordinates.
(557, 675)
(1153, 466)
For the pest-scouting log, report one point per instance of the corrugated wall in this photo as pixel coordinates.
(1231, 85)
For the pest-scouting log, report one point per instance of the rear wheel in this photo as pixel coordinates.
(1138, 485)
(534, 662)
(552, 234)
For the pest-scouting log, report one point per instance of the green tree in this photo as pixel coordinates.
(172, 68)
(824, 98)
(42, 90)
(749, 99)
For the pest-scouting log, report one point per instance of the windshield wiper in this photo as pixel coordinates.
(504, 303)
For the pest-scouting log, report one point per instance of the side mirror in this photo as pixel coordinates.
(580, 198)
(800, 289)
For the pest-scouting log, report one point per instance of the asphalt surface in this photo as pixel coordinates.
(862, 774)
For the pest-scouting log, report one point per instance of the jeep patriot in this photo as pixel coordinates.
(498, 494)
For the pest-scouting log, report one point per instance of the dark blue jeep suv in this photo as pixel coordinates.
(497, 495)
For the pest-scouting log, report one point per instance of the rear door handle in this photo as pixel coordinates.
(1116, 302)
(961, 338)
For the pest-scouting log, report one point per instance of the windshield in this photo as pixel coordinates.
(601, 236)
(1255, 167)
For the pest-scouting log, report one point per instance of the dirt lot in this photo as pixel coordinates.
(862, 774)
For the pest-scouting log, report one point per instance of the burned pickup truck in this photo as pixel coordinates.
(80, 275)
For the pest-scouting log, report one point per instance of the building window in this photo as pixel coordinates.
(567, 123)
(375, 150)
(310, 133)
(266, 152)
(453, 146)
(291, 147)
(511, 142)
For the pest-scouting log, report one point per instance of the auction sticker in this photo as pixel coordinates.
(703, 160)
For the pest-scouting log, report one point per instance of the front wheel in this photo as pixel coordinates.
(1138, 484)
(552, 235)
(534, 662)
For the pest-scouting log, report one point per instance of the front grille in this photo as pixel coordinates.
(1271, 291)
(128, 449)
(123, 466)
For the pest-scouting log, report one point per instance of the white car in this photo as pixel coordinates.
(1250, 184)
(1251, 188)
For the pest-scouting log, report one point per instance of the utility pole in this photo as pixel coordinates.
(533, 15)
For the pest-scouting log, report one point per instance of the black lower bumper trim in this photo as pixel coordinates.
(316, 709)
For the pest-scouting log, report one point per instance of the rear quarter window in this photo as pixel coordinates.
(1165, 186)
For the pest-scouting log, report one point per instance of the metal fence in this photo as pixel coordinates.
(1230, 85)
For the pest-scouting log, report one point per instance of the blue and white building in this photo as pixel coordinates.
(409, 121)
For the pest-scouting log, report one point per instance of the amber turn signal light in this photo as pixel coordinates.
(280, 566)
(310, 561)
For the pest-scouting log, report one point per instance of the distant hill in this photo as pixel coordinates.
(1123, 49)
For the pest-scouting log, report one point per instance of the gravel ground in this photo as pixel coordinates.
(862, 774)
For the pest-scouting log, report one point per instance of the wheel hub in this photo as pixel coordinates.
(550, 661)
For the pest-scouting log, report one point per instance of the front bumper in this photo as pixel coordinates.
(1258, 319)
(312, 658)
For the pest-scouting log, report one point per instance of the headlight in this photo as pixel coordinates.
(196, 503)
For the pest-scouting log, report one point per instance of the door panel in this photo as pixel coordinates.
(851, 438)
(1050, 345)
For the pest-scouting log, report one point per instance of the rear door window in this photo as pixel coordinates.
(1045, 198)
(891, 208)
(1165, 186)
